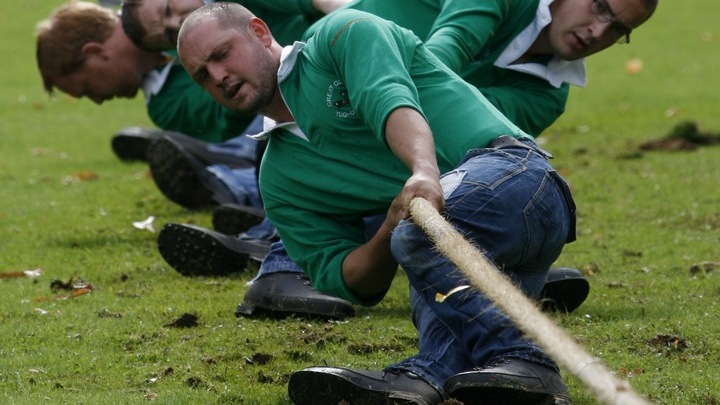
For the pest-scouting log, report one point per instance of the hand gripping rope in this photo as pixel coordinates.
(493, 284)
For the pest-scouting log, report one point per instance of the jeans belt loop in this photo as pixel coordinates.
(507, 141)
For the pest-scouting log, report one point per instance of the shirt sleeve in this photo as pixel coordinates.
(327, 240)
(373, 58)
(463, 28)
(528, 101)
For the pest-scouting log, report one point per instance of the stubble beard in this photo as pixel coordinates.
(266, 84)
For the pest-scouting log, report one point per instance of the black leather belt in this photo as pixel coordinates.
(507, 141)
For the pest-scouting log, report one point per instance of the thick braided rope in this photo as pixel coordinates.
(538, 327)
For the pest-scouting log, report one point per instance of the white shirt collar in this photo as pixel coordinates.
(287, 62)
(270, 125)
(557, 70)
(288, 58)
(155, 80)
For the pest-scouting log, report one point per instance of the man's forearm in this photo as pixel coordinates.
(370, 269)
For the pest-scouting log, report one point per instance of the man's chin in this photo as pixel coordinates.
(247, 108)
(571, 54)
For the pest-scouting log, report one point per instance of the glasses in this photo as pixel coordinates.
(602, 12)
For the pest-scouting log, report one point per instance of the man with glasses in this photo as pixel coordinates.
(522, 54)
(604, 14)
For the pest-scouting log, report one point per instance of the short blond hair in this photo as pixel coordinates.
(61, 37)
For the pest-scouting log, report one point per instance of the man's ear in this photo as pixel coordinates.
(260, 30)
(93, 49)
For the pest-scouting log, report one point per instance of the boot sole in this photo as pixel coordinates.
(195, 253)
(234, 221)
(175, 174)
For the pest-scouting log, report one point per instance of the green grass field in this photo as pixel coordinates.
(67, 205)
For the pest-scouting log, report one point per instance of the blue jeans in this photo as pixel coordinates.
(513, 205)
(241, 183)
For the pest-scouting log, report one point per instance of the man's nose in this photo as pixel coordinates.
(598, 29)
(217, 73)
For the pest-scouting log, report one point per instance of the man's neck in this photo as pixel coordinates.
(278, 110)
(539, 47)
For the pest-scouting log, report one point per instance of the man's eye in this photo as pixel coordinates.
(220, 55)
(600, 7)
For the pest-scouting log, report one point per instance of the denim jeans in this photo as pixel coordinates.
(241, 183)
(513, 205)
(241, 146)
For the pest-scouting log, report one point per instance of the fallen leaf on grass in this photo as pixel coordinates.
(634, 66)
(74, 294)
(22, 274)
(76, 288)
(80, 176)
(146, 224)
(592, 269)
(80, 291)
(630, 373)
(85, 175)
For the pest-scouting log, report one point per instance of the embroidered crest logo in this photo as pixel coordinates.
(337, 98)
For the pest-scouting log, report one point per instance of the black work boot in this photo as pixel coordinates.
(130, 144)
(291, 293)
(565, 290)
(196, 251)
(335, 385)
(234, 219)
(509, 381)
(182, 178)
